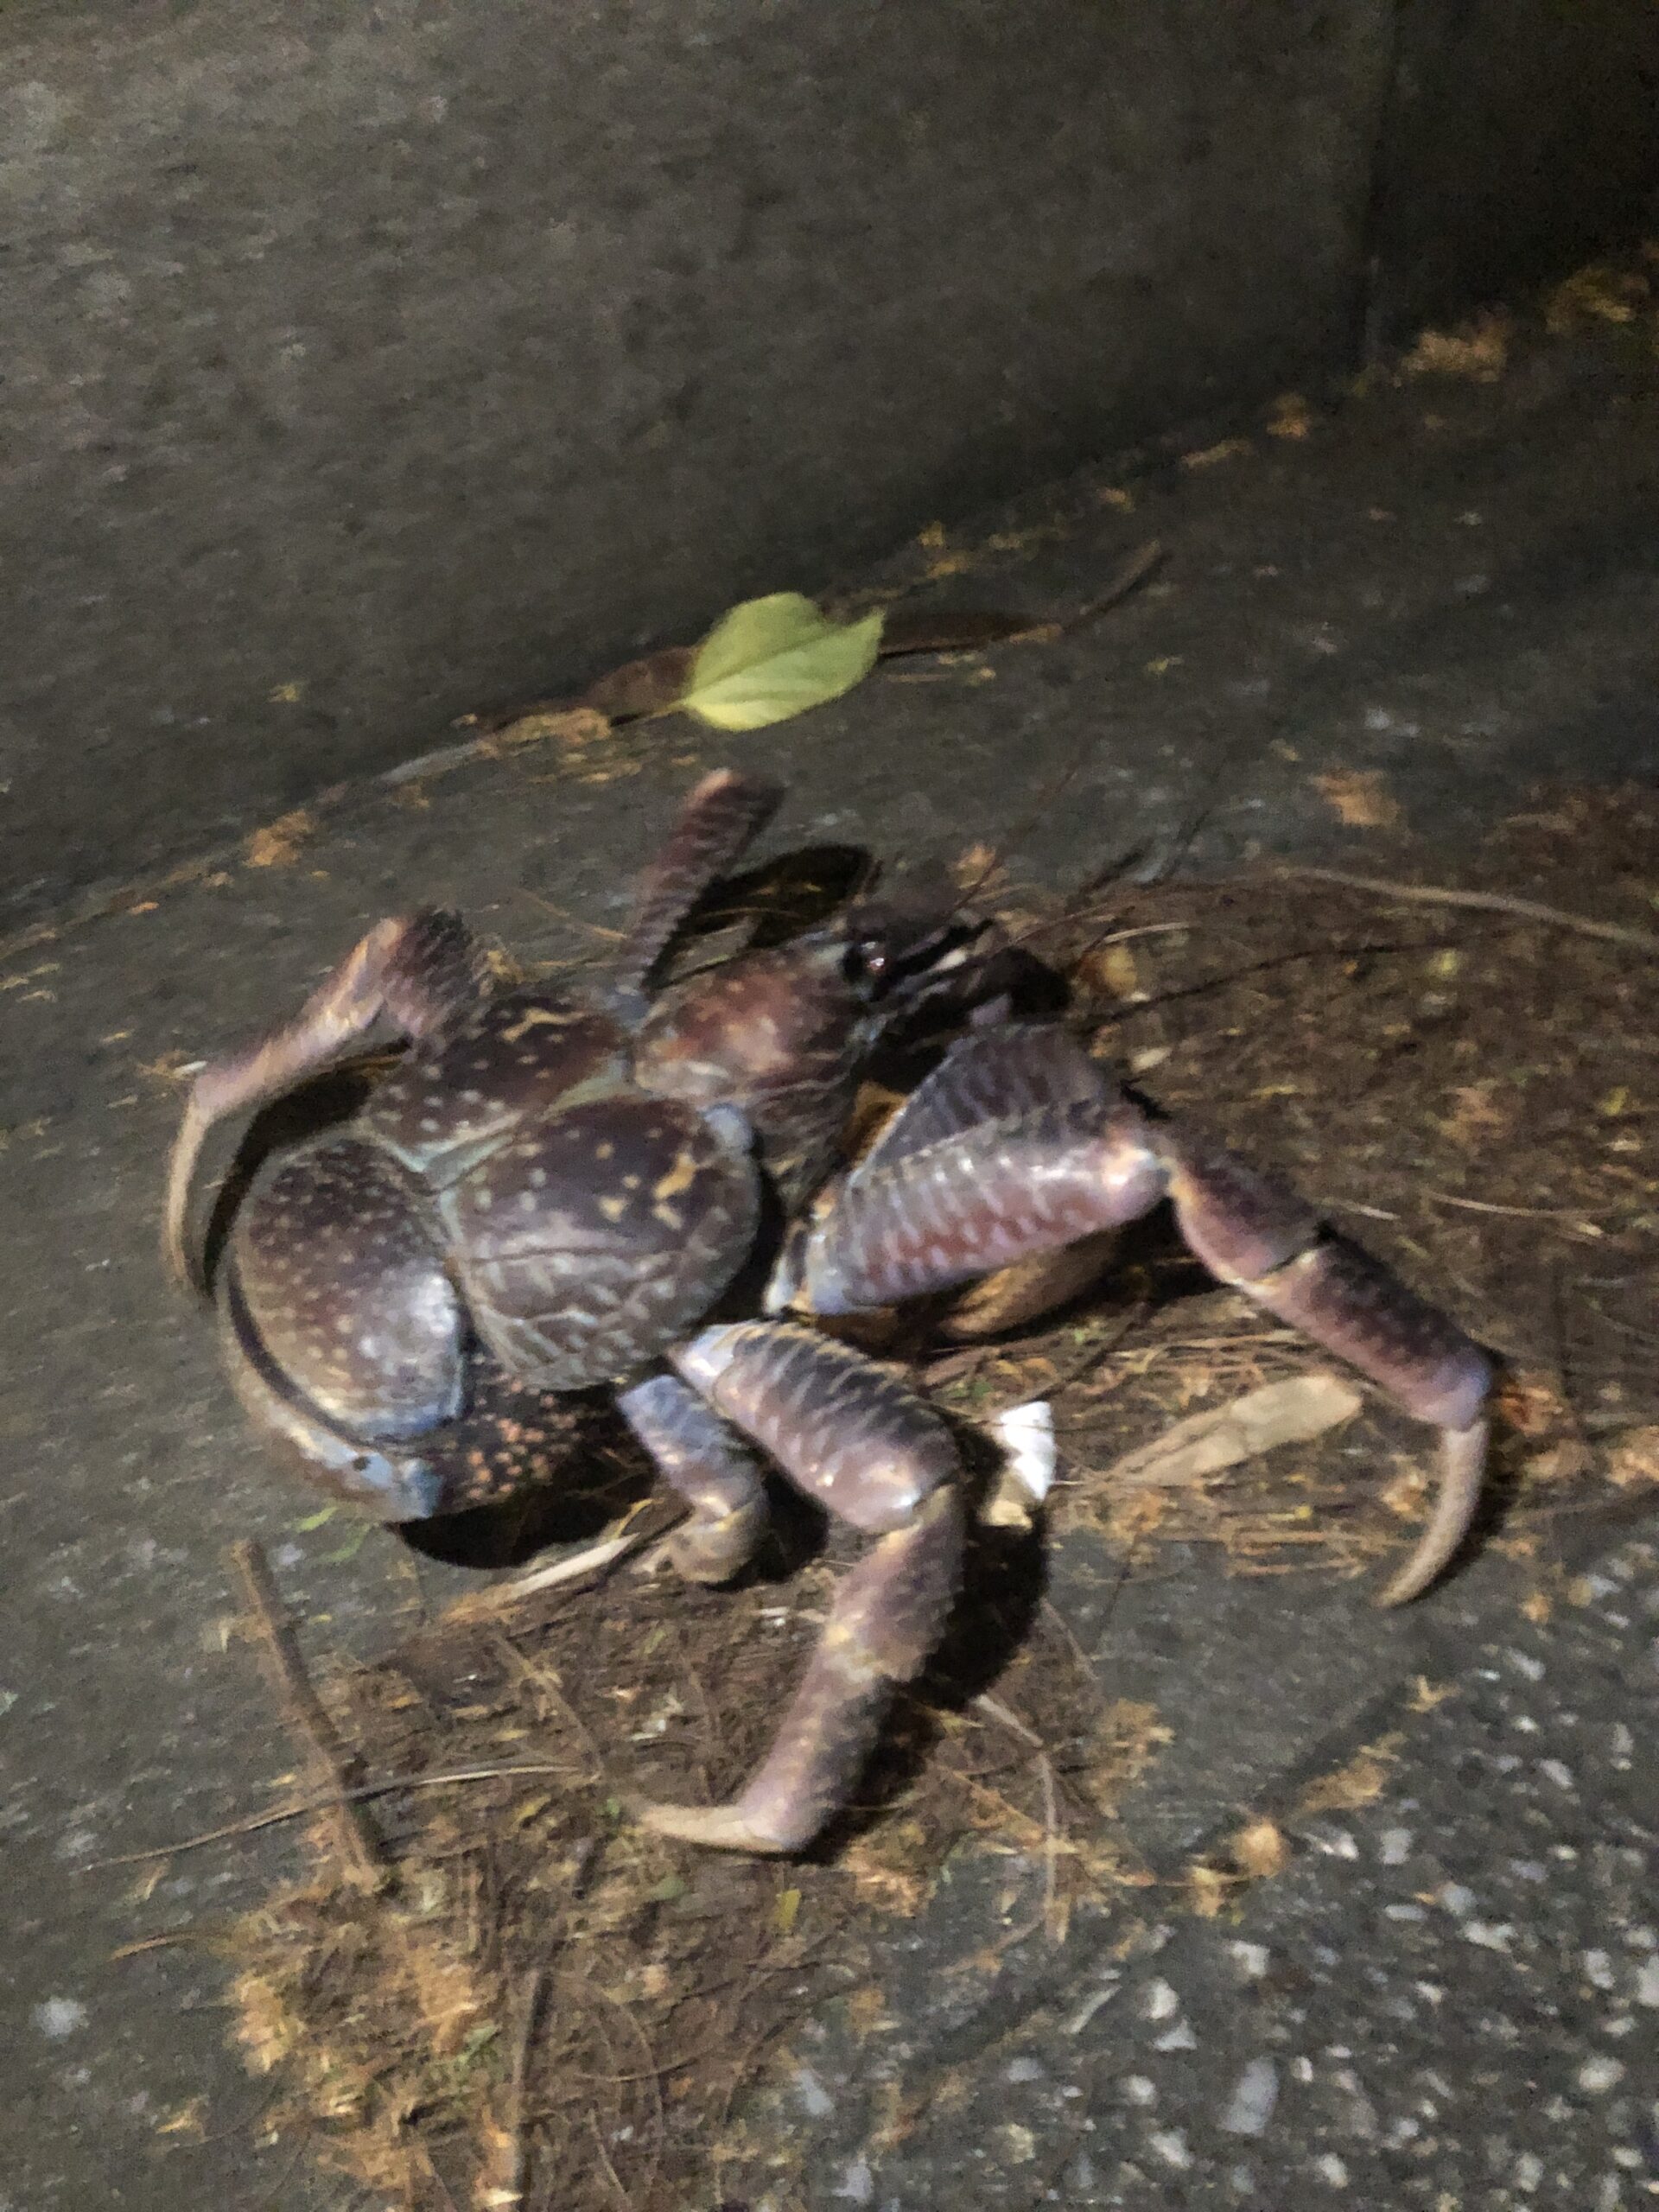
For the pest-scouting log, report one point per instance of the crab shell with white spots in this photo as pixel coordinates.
(510, 1203)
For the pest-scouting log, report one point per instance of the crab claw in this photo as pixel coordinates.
(414, 971)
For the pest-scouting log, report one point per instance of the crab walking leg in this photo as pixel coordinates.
(1249, 1230)
(720, 818)
(849, 1435)
(994, 1195)
(412, 970)
(698, 1457)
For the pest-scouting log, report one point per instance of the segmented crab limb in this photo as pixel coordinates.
(909, 1221)
(1250, 1230)
(967, 1204)
(848, 1434)
(719, 819)
(698, 1457)
(414, 971)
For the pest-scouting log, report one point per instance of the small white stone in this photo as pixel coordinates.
(1160, 2001)
(1529, 2171)
(816, 2100)
(1394, 1846)
(1302, 2069)
(1647, 1981)
(59, 2016)
(1179, 2038)
(1255, 2094)
(1020, 2141)
(1250, 1959)
(1524, 1663)
(857, 2182)
(1139, 2090)
(1027, 1434)
(1599, 1969)
(1022, 2069)
(1597, 2075)
(1559, 1772)
(1491, 1935)
(1171, 2146)
(1332, 2168)
(1456, 1899)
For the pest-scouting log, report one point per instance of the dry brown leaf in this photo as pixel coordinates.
(921, 630)
(1478, 349)
(1290, 417)
(1210, 1890)
(572, 726)
(1110, 968)
(1205, 1444)
(1634, 1459)
(1361, 1781)
(647, 686)
(1260, 1849)
(1360, 797)
(1426, 1695)
(1596, 294)
(1476, 1115)
(277, 845)
(1207, 457)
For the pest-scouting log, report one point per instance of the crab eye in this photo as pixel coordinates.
(864, 963)
(361, 1464)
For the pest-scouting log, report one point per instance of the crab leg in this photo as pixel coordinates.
(697, 1456)
(935, 1205)
(1249, 1230)
(413, 971)
(719, 819)
(850, 1436)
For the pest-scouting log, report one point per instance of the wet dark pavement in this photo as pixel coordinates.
(1443, 592)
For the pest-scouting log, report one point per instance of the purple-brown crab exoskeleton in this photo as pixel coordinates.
(549, 1194)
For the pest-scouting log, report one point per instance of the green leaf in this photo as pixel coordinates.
(773, 658)
(319, 1520)
(667, 1890)
(349, 1550)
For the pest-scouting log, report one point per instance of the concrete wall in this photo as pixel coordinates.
(368, 362)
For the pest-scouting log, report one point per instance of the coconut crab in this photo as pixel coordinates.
(641, 1190)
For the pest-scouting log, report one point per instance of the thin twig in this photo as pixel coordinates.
(605, 2161)
(1128, 578)
(597, 1559)
(360, 1795)
(328, 1757)
(521, 2120)
(1518, 1213)
(1051, 1847)
(1000, 1712)
(1488, 902)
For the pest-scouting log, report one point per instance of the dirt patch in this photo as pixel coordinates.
(540, 2003)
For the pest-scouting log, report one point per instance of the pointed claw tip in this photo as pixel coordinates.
(716, 1828)
(1463, 1466)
